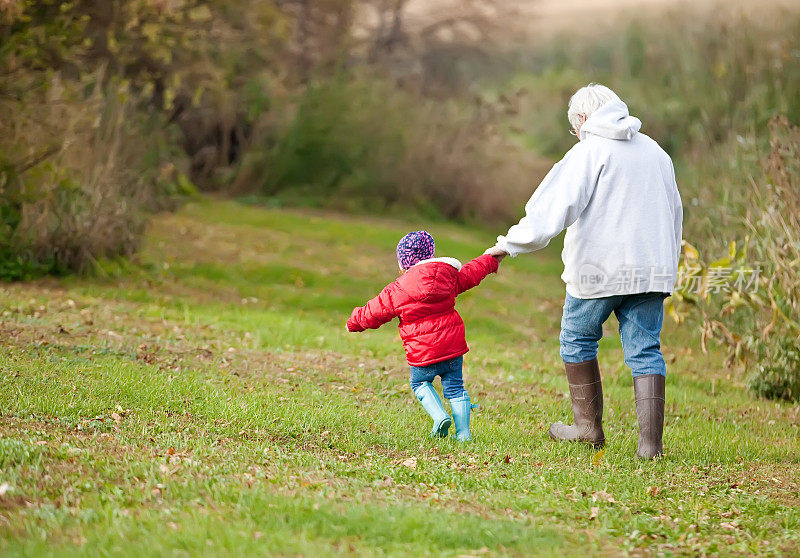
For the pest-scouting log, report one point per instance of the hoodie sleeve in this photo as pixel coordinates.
(556, 204)
(473, 272)
(374, 313)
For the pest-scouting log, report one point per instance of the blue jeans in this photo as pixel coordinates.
(448, 370)
(640, 318)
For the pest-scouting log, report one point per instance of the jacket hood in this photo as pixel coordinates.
(612, 121)
(430, 280)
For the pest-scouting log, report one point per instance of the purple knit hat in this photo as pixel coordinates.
(415, 247)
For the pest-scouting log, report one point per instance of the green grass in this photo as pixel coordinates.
(207, 401)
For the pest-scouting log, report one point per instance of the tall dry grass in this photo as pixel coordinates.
(774, 223)
(749, 299)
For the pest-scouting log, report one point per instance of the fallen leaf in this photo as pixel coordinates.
(603, 496)
(594, 512)
(653, 490)
(572, 497)
(411, 463)
(388, 481)
(4, 488)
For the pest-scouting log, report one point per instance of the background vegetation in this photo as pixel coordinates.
(217, 183)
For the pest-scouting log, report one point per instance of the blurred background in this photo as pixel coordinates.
(113, 111)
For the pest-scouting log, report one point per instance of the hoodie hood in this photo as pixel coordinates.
(430, 280)
(612, 121)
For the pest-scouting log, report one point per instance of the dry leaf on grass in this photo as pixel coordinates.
(594, 512)
(411, 463)
(603, 496)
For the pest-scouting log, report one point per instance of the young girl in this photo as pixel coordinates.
(423, 297)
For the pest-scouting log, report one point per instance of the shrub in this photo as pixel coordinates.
(72, 184)
(760, 326)
(362, 144)
(777, 373)
(75, 176)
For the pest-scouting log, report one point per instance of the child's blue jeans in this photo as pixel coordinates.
(448, 370)
(640, 318)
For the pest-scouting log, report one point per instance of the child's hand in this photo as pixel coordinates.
(497, 253)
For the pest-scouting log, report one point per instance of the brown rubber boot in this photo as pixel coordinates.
(649, 390)
(586, 392)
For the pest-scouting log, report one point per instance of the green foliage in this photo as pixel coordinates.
(154, 86)
(341, 133)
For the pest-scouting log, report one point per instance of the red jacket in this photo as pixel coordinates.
(424, 299)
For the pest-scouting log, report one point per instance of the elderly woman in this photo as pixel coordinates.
(616, 195)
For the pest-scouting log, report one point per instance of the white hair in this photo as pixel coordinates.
(588, 99)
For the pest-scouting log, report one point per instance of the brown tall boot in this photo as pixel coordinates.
(586, 392)
(649, 390)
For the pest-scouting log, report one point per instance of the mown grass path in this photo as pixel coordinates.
(208, 401)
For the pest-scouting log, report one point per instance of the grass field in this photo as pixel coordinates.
(207, 401)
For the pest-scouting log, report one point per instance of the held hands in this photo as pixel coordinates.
(498, 253)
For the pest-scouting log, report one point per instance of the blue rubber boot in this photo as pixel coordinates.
(433, 405)
(461, 407)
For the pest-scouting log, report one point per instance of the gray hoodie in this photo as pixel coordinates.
(616, 195)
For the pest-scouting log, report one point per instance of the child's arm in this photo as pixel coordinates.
(473, 272)
(373, 314)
